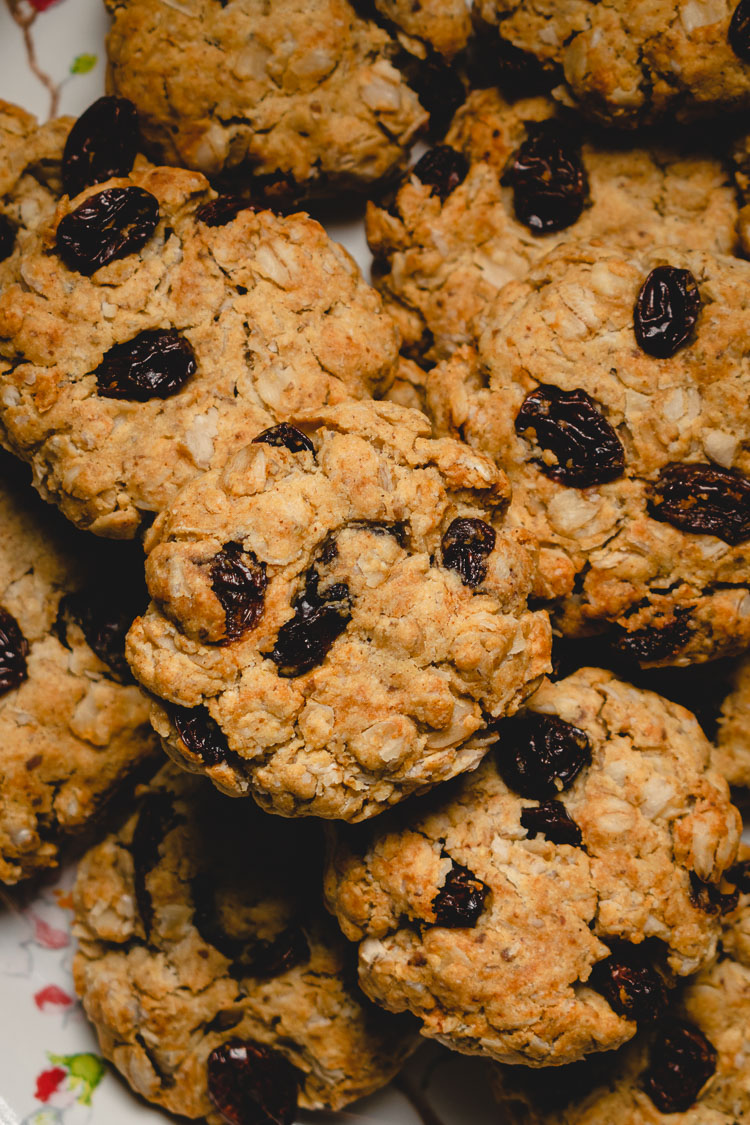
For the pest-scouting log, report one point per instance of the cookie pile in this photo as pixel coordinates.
(457, 562)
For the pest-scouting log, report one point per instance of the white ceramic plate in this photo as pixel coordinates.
(52, 61)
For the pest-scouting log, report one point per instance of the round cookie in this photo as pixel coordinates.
(303, 93)
(338, 615)
(624, 434)
(630, 63)
(73, 725)
(512, 181)
(217, 984)
(586, 849)
(440, 25)
(732, 739)
(155, 328)
(692, 1069)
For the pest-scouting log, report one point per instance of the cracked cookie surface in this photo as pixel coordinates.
(260, 315)
(188, 944)
(629, 62)
(629, 468)
(443, 251)
(377, 617)
(303, 91)
(443, 25)
(732, 739)
(704, 1041)
(73, 726)
(473, 919)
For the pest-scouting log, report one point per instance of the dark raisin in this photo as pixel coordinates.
(442, 169)
(739, 31)
(155, 364)
(666, 311)
(14, 648)
(740, 876)
(704, 500)
(655, 643)
(553, 821)
(319, 618)
(157, 817)
(495, 61)
(708, 898)
(460, 901)
(251, 1084)
(440, 90)
(106, 226)
(682, 1061)
(222, 210)
(201, 734)
(630, 984)
(7, 238)
(466, 547)
(570, 425)
(239, 581)
(539, 755)
(288, 437)
(548, 179)
(104, 621)
(101, 145)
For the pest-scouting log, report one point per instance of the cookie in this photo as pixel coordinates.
(440, 25)
(214, 980)
(156, 327)
(511, 182)
(732, 738)
(302, 92)
(629, 64)
(613, 388)
(587, 845)
(334, 616)
(691, 1069)
(73, 725)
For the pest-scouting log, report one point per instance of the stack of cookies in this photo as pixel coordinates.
(457, 563)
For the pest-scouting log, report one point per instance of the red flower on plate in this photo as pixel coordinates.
(42, 5)
(52, 996)
(48, 1083)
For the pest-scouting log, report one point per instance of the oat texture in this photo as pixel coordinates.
(513, 985)
(442, 25)
(440, 261)
(674, 596)
(200, 922)
(278, 316)
(611, 1088)
(417, 659)
(629, 62)
(302, 90)
(732, 741)
(71, 731)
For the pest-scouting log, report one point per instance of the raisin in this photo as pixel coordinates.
(251, 1084)
(570, 425)
(7, 238)
(652, 643)
(708, 898)
(155, 364)
(222, 210)
(14, 648)
(539, 755)
(740, 875)
(107, 226)
(442, 169)
(460, 901)
(439, 89)
(548, 179)
(466, 546)
(157, 818)
(319, 618)
(102, 144)
(682, 1061)
(630, 984)
(288, 437)
(553, 821)
(704, 500)
(666, 311)
(104, 621)
(396, 530)
(739, 31)
(239, 581)
(201, 734)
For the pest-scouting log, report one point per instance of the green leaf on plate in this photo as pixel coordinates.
(82, 64)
